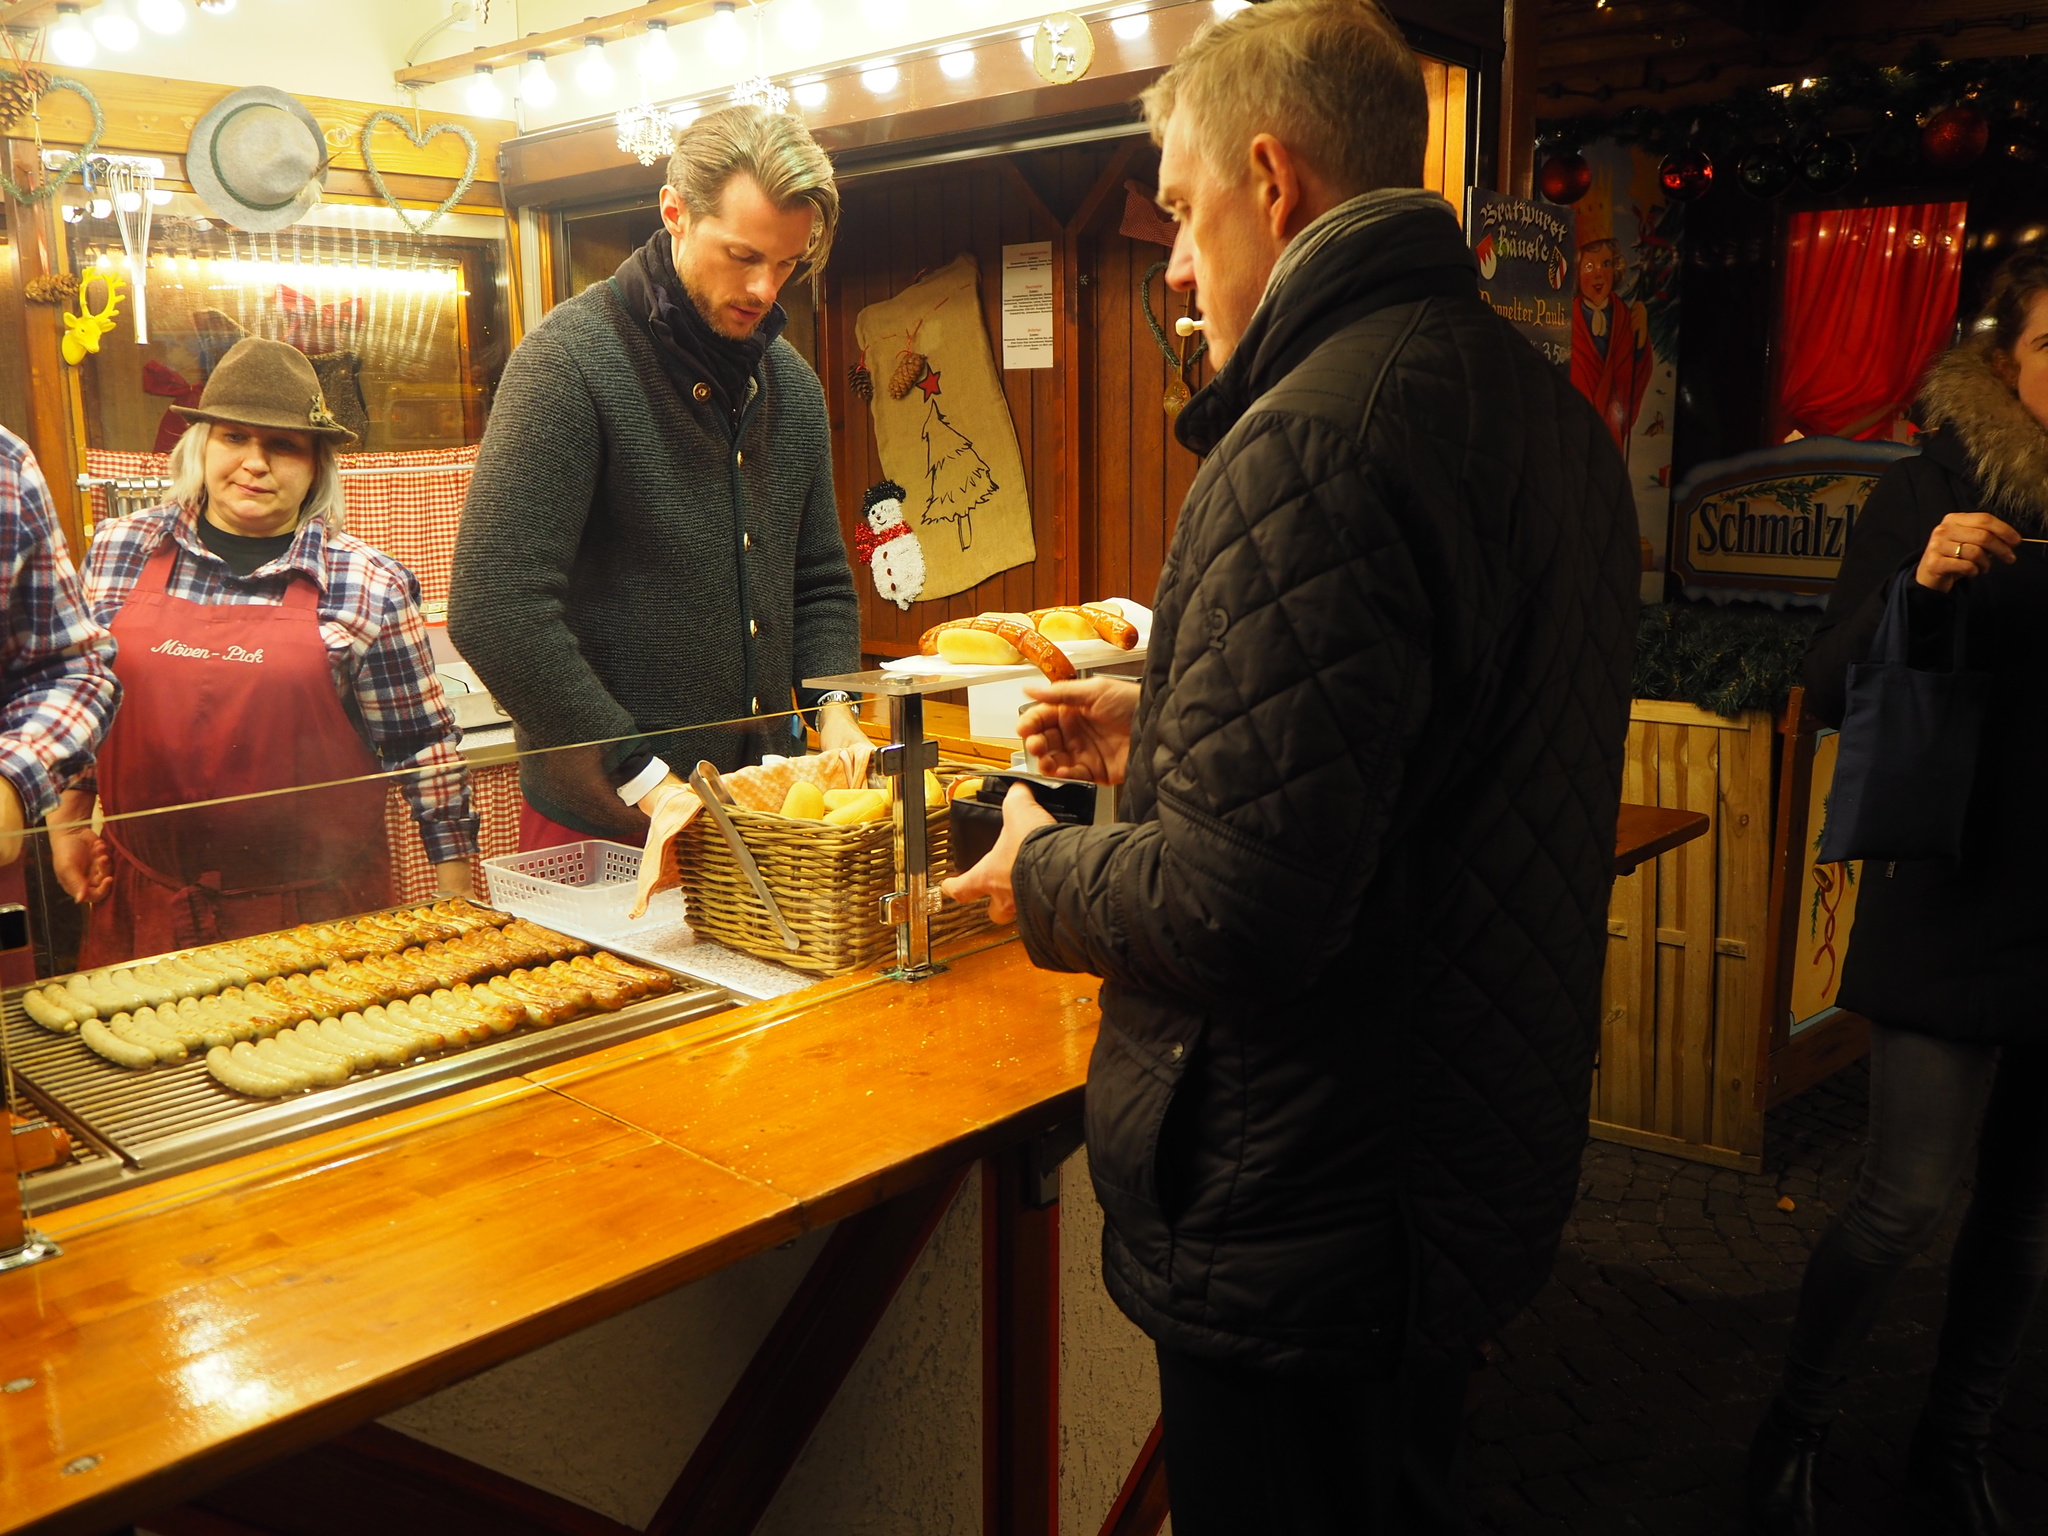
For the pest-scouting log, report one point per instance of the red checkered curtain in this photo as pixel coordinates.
(411, 515)
(493, 795)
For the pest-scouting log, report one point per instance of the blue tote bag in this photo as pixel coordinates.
(1908, 754)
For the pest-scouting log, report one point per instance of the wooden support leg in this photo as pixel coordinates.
(1141, 1508)
(1020, 1333)
(759, 1433)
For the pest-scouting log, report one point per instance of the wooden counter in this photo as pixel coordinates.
(206, 1324)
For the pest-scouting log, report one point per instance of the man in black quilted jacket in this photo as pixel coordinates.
(1351, 925)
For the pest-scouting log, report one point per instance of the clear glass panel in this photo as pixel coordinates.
(408, 332)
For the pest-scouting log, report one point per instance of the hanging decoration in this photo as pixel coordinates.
(1686, 175)
(910, 367)
(21, 94)
(860, 381)
(760, 91)
(647, 132)
(419, 140)
(1565, 177)
(1062, 48)
(1765, 172)
(886, 546)
(949, 438)
(56, 289)
(1955, 138)
(1180, 360)
(2018, 140)
(131, 184)
(1827, 165)
(82, 331)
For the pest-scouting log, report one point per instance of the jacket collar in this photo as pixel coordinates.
(1982, 431)
(306, 554)
(1383, 248)
(655, 296)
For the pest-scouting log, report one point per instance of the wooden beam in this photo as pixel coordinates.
(738, 1467)
(376, 1479)
(613, 27)
(1516, 161)
(1141, 1505)
(1020, 1331)
(54, 427)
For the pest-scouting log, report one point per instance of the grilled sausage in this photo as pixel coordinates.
(1030, 644)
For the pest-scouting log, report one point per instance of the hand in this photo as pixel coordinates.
(1965, 544)
(1022, 816)
(837, 728)
(12, 821)
(455, 878)
(80, 858)
(1080, 730)
(650, 802)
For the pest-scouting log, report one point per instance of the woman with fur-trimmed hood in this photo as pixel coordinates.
(1949, 961)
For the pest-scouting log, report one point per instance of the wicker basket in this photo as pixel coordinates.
(828, 881)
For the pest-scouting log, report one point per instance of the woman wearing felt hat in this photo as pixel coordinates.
(260, 648)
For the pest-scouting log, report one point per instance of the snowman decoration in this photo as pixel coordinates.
(887, 547)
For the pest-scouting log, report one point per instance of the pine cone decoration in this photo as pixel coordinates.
(18, 93)
(860, 381)
(57, 288)
(909, 369)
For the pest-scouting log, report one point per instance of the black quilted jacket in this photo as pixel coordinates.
(1352, 926)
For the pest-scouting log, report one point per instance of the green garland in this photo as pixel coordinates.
(54, 180)
(1723, 659)
(1879, 107)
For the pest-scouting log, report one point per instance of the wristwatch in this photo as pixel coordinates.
(836, 696)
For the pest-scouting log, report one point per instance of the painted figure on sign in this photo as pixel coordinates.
(1611, 353)
(887, 547)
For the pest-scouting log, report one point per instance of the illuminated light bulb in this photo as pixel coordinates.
(216, 7)
(163, 17)
(809, 93)
(885, 13)
(129, 202)
(113, 28)
(881, 77)
(594, 76)
(725, 41)
(70, 42)
(483, 98)
(1029, 40)
(159, 197)
(73, 213)
(1129, 23)
(102, 208)
(798, 21)
(1229, 7)
(957, 63)
(656, 59)
(536, 85)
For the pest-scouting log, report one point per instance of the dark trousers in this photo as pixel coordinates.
(1933, 1104)
(1249, 1453)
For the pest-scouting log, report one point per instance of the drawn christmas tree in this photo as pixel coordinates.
(957, 479)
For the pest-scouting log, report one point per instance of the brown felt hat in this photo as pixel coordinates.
(267, 384)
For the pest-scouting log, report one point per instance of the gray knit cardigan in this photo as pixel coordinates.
(629, 563)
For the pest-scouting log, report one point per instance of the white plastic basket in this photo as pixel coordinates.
(584, 889)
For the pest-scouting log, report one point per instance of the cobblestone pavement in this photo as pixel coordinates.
(1626, 1395)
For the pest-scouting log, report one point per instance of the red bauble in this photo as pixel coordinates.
(1565, 178)
(1686, 176)
(1955, 137)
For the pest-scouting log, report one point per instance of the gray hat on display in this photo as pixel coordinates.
(257, 159)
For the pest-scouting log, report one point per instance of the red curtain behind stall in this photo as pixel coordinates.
(1869, 297)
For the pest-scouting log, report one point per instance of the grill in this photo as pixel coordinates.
(130, 1127)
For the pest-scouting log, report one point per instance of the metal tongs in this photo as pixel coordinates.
(711, 790)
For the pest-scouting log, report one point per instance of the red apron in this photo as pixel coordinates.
(222, 699)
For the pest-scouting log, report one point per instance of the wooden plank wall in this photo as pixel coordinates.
(1683, 1000)
(1106, 507)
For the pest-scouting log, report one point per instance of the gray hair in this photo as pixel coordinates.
(777, 151)
(323, 500)
(1333, 80)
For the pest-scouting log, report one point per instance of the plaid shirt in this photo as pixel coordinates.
(376, 644)
(58, 665)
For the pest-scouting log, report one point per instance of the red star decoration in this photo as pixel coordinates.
(929, 384)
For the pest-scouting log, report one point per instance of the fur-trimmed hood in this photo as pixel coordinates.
(2006, 447)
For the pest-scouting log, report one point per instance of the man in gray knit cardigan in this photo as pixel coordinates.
(650, 557)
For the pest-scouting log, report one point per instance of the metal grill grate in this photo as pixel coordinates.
(166, 1119)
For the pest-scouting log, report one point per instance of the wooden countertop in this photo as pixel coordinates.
(1644, 831)
(208, 1323)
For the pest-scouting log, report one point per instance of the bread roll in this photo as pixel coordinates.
(977, 647)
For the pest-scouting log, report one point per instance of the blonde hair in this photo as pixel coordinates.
(1333, 80)
(324, 499)
(777, 151)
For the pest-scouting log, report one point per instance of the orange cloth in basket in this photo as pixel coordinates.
(758, 789)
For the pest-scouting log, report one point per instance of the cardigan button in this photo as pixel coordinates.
(746, 541)
(702, 392)
(1175, 1051)
(753, 626)
(755, 704)
(739, 458)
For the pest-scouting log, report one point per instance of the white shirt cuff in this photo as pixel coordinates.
(635, 789)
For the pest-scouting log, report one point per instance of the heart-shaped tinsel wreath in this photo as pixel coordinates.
(55, 179)
(419, 141)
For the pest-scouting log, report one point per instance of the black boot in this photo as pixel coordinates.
(1779, 1492)
(1950, 1485)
